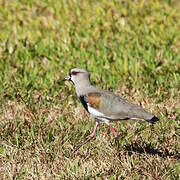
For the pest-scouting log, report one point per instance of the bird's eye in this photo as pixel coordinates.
(74, 73)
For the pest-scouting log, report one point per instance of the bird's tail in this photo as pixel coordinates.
(140, 113)
(153, 120)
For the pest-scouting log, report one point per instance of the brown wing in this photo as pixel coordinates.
(94, 99)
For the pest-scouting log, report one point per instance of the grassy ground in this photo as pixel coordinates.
(131, 47)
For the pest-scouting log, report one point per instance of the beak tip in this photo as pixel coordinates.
(67, 78)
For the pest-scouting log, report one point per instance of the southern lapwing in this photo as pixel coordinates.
(105, 106)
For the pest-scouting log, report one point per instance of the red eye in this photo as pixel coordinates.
(74, 73)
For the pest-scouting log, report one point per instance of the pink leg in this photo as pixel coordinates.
(116, 138)
(113, 131)
(90, 137)
(94, 131)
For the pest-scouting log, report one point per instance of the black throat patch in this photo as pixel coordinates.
(84, 103)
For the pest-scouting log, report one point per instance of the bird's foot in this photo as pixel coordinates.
(116, 139)
(89, 138)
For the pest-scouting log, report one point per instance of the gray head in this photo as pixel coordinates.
(80, 77)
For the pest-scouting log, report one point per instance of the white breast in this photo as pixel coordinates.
(96, 114)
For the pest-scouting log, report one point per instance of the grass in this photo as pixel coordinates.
(130, 47)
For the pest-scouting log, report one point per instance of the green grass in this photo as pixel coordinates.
(130, 47)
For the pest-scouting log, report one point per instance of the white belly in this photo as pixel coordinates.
(98, 115)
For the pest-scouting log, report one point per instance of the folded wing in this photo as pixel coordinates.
(114, 107)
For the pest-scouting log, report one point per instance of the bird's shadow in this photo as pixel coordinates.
(147, 148)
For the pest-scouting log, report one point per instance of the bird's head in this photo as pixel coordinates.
(78, 75)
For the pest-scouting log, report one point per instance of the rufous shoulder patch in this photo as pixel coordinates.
(94, 99)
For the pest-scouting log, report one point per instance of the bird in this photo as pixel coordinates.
(105, 106)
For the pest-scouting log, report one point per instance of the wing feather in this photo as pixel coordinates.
(112, 106)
